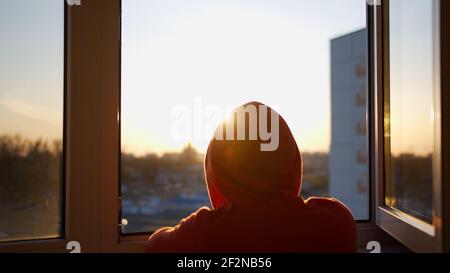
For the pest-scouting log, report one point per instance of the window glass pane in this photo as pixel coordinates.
(304, 58)
(411, 122)
(31, 118)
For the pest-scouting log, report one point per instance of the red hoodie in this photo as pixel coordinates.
(256, 208)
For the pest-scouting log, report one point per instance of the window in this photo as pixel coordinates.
(411, 105)
(32, 106)
(412, 186)
(183, 61)
(31, 119)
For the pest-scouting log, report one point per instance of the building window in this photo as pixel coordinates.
(181, 62)
(31, 119)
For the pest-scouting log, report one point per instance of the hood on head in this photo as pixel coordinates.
(248, 171)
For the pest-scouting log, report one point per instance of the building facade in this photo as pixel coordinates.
(349, 173)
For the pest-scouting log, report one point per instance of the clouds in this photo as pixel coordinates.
(31, 111)
(30, 120)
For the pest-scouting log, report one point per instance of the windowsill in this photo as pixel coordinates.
(367, 232)
(34, 246)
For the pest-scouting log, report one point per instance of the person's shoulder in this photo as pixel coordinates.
(330, 205)
(193, 220)
(338, 219)
(173, 239)
(200, 214)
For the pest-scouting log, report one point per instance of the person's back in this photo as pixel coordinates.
(254, 194)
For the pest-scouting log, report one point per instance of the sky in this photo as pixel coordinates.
(201, 55)
(412, 82)
(198, 55)
(31, 68)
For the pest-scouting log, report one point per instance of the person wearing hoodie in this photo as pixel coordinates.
(255, 199)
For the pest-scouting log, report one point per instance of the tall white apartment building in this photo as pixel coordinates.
(349, 180)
